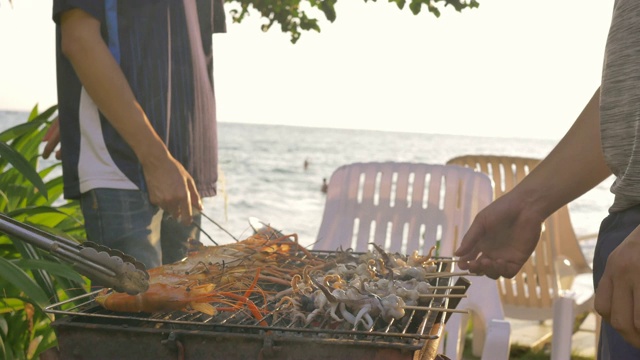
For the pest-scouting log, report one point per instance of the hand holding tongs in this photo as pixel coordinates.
(107, 267)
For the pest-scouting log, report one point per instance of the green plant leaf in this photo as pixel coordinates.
(18, 278)
(18, 131)
(45, 115)
(4, 328)
(22, 165)
(33, 346)
(3, 351)
(9, 305)
(42, 278)
(53, 268)
(48, 341)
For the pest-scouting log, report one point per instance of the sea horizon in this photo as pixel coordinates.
(22, 114)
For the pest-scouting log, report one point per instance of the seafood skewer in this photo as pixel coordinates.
(453, 287)
(448, 274)
(426, 308)
(449, 296)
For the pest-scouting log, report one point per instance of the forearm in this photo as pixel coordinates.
(108, 87)
(572, 168)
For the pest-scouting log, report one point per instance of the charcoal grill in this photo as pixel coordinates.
(87, 331)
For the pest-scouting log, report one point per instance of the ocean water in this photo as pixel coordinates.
(263, 173)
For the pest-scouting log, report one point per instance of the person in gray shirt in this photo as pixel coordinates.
(602, 141)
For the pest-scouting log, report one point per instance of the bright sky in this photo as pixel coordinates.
(514, 68)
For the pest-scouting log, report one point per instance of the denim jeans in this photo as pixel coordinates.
(125, 220)
(613, 230)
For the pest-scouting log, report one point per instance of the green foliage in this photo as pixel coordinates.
(292, 15)
(434, 6)
(30, 278)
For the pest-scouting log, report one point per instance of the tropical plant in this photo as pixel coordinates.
(292, 15)
(31, 278)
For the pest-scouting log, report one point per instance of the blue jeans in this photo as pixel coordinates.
(127, 221)
(613, 230)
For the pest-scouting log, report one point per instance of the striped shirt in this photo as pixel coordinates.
(164, 48)
(620, 104)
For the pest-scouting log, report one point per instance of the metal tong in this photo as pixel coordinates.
(105, 266)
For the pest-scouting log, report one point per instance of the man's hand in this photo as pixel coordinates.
(618, 294)
(171, 187)
(52, 137)
(501, 238)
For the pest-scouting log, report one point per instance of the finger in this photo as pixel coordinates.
(171, 205)
(602, 301)
(468, 241)
(465, 261)
(187, 213)
(196, 200)
(48, 149)
(479, 266)
(487, 267)
(176, 213)
(493, 268)
(636, 318)
(53, 131)
(463, 264)
(621, 317)
(184, 208)
(470, 256)
(53, 139)
(469, 248)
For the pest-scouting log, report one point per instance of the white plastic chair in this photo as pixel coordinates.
(556, 282)
(413, 206)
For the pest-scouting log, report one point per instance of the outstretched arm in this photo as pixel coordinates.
(170, 185)
(505, 233)
(572, 168)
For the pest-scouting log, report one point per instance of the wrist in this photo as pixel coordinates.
(151, 152)
(532, 203)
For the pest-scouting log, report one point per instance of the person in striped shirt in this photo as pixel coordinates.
(137, 119)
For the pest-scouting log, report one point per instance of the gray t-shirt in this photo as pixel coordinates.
(620, 103)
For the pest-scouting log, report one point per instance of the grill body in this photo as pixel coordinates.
(88, 341)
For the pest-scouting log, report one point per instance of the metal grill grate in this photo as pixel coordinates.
(407, 334)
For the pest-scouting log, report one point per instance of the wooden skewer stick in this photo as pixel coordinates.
(450, 296)
(447, 287)
(426, 308)
(447, 274)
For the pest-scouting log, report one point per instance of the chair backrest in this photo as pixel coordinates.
(557, 257)
(401, 206)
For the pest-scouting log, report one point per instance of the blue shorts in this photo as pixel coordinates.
(613, 230)
(127, 221)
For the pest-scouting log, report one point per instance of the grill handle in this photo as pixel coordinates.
(105, 266)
